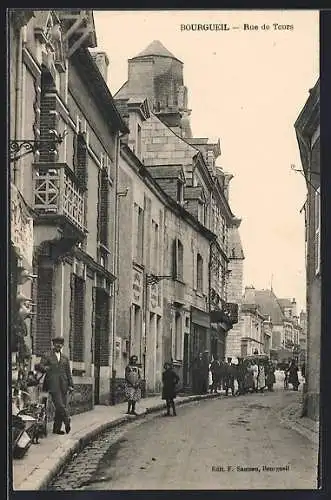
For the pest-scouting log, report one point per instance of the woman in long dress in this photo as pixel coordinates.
(132, 386)
(261, 377)
(255, 373)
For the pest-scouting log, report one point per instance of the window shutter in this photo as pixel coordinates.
(71, 313)
(94, 298)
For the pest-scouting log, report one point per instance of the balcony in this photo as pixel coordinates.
(58, 199)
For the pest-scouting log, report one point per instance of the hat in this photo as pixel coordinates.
(58, 340)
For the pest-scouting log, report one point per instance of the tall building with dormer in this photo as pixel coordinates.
(166, 146)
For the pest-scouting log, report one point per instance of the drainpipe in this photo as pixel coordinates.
(115, 266)
(18, 96)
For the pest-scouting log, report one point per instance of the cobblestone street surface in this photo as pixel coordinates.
(223, 443)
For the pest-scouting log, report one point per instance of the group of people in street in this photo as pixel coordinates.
(252, 375)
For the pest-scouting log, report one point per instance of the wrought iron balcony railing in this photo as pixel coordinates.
(56, 193)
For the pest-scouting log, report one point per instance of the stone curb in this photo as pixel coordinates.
(39, 480)
(297, 426)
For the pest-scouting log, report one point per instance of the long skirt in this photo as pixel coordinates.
(132, 394)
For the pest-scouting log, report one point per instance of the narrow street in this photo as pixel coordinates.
(217, 444)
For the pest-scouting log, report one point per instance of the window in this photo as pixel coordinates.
(77, 318)
(199, 273)
(177, 260)
(201, 212)
(103, 207)
(138, 146)
(155, 240)
(178, 336)
(180, 191)
(139, 233)
(80, 159)
(317, 230)
(48, 117)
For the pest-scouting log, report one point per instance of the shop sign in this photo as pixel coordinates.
(137, 287)
(154, 296)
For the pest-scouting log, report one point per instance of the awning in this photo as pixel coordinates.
(200, 317)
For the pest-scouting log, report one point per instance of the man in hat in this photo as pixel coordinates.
(58, 382)
(229, 377)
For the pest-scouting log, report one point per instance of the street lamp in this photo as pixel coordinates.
(22, 147)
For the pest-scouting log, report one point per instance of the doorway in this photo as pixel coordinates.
(101, 347)
(186, 360)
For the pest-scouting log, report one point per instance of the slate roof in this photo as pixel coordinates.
(285, 303)
(193, 193)
(269, 305)
(155, 48)
(166, 171)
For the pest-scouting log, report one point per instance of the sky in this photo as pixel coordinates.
(246, 87)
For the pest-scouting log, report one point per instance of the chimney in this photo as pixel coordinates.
(227, 179)
(249, 295)
(102, 61)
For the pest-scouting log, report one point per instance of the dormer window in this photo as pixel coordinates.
(201, 212)
(138, 143)
(180, 191)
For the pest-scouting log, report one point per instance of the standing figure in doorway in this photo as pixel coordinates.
(58, 382)
(132, 385)
(169, 379)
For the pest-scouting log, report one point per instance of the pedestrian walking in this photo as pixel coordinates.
(261, 380)
(248, 380)
(255, 372)
(170, 380)
(58, 382)
(241, 369)
(132, 386)
(204, 372)
(215, 370)
(229, 377)
(293, 375)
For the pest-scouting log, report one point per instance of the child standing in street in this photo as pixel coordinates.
(169, 379)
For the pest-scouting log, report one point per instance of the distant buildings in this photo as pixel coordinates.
(307, 127)
(269, 325)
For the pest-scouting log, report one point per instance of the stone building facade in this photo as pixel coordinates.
(168, 147)
(307, 127)
(69, 180)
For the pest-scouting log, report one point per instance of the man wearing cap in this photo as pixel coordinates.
(58, 381)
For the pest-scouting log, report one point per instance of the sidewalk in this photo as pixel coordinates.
(291, 417)
(44, 460)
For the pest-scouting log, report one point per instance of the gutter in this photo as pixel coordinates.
(18, 95)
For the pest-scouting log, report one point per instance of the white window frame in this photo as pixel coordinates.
(317, 227)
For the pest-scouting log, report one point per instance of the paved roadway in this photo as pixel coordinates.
(217, 444)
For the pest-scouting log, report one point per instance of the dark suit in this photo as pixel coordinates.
(57, 381)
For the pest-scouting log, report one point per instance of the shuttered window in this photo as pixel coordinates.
(44, 311)
(77, 341)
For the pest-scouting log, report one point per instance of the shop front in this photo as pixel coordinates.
(21, 251)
